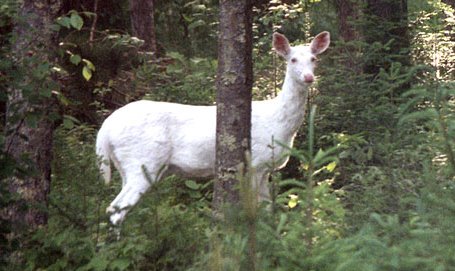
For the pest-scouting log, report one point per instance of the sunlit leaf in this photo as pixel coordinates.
(86, 73)
(305, 166)
(331, 167)
(293, 201)
(89, 64)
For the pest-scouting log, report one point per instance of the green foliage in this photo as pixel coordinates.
(386, 242)
(182, 80)
(433, 109)
(188, 27)
(72, 20)
(162, 233)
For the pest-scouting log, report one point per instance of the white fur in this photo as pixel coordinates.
(170, 138)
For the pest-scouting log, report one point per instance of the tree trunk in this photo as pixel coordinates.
(347, 11)
(143, 23)
(234, 84)
(348, 14)
(28, 125)
(387, 20)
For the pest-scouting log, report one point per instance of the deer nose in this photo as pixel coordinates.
(308, 78)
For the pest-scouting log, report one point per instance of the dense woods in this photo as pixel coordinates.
(370, 184)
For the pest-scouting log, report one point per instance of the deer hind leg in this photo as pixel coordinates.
(135, 185)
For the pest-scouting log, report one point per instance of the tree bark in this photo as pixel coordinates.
(234, 84)
(28, 125)
(143, 23)
(348, 15)
(347, 11)
(387, 20)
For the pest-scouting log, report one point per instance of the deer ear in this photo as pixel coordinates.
(281, 45)
(320, 43)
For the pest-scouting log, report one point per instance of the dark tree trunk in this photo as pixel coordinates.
(234, 84)
(387, 20)
(28, 125)
(348, 15)
(347, 11)
(143, 23)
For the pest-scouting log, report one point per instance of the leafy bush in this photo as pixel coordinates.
(181, 80)
(161, 233)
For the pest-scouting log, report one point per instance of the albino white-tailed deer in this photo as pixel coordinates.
(169, 138)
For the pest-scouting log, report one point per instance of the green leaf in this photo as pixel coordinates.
(89, 64)
(422, 115)
(282, 223)
(68, 124)
(86, 73)
(196, 24)
(192, 185)
(331, 167)
(75, 59)
(46, 92)
(293, 201)
(176, 56)
(291, 182)
(98, 263)
(195, 194)
(370, 153)
(62, 99)
(120, 264)
(76, 21)
(64, 21)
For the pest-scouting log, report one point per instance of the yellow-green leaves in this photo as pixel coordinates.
(293, 201)
(86, 73)
(87, 69)
(331, 166)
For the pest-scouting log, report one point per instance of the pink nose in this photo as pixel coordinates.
(308, 78)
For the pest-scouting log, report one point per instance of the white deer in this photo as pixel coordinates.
(168, 138)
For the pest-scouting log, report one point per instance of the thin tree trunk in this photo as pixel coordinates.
(234, 84)
(143, 23)
(28, 125)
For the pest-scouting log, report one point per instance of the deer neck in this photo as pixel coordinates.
(291, 106)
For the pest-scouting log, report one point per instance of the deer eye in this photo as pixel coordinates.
(294, 60)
